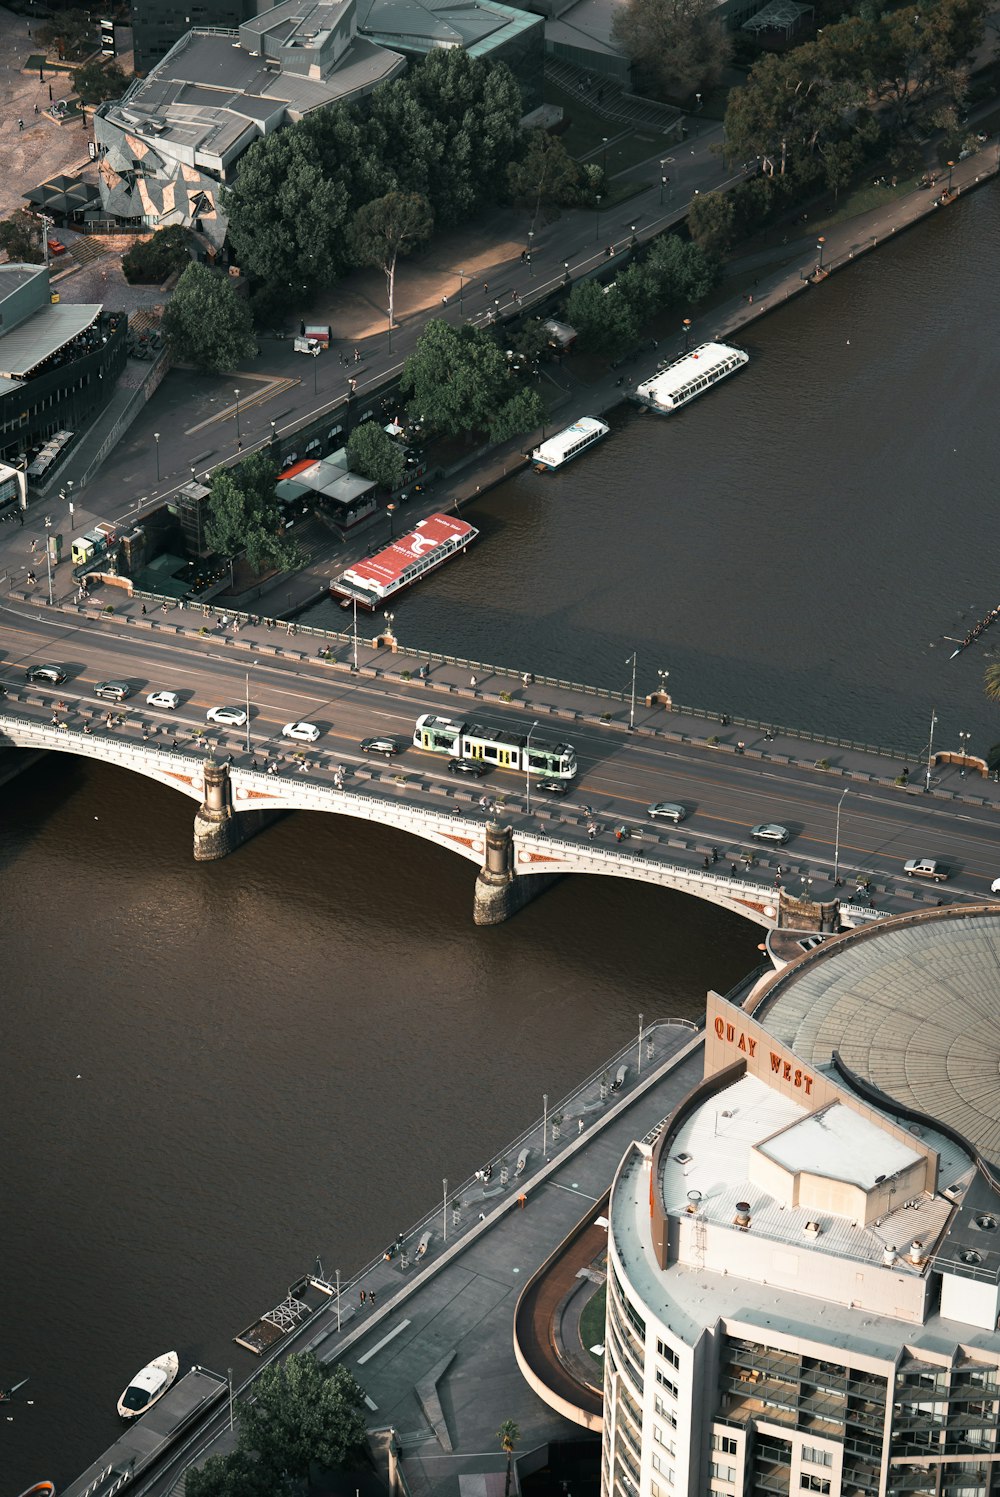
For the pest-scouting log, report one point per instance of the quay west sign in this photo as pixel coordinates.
(732, 1035)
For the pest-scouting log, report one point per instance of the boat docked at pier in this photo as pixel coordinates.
(674, 385)
(41, 1489)
(148, 1386)
(566, 445)
(372, 582)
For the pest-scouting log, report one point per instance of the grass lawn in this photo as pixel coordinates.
(592, 1324)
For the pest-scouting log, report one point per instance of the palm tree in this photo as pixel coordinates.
(508, 1434)
(991, 682)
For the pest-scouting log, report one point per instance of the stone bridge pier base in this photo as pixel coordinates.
(218, 829)
(500, 892)
(820, 915)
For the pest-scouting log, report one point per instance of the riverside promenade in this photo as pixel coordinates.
(435, 1355)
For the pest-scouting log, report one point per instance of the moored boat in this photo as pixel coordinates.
(41, 1489)
(372, 582)
(148, 1386)
(675, 384)
(568, 444)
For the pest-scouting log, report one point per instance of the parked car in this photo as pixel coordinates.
(925, 868)
(770, 831)
(474, 767)
(56, 247)
(112, 691)
(667, 810)
(166, 699)
(50, 673)
(229, 717)
(387, 746)
(301, 732)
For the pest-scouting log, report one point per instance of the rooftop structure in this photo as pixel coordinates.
(804, 1287)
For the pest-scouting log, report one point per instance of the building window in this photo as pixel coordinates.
(667, 1441)
(665, 1412)
(667, 1353)
(723, 1473)
(814, 1483)
(665, 1382)
(665, 1471)
(729, 1446)
(816, 1456)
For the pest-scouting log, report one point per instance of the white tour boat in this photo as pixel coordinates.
(566, 445)
(148, 1386)
(690, 376)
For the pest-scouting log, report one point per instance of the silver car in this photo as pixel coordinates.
(770, 831)
(666, 810)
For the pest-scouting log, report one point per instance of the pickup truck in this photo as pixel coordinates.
(925, 868)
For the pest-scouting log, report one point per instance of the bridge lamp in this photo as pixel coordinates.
(249, 669)
(156, 439)
(527, 772)
(237, 394)
(836, 842)
(964, 740)
(664, 677)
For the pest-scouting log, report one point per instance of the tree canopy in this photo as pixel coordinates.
(21, 237)
(460, 381)
(546, 173)
(71, 32)
(207, 324)
(609, 319)
(157, 258)
(243, 515)
(97, 81)
(676, 46)
(386, 228)
(373, 453)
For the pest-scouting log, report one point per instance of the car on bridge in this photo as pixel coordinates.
(112, 691)
(667, 810)
(228, 717)
(770, 831)
(166, 699)
(474, 767)
(53, 674)
(301, 732)
(554, 787)
(925, 868)
(387, 746)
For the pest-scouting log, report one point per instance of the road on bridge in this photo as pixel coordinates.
(620, 773)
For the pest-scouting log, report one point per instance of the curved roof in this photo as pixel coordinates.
(912, 1004)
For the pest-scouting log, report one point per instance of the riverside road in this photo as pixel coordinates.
(725, 788)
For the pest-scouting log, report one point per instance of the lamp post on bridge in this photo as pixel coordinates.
(597, 220)
(239, 439)
(836, 842)
(930, 752)
(249, 669)
(964, 740)
(461, 293)
(156, 439)
(527, 772)
(631, 710)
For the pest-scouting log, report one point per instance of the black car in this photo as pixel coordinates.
(553, 787)
(385, 746)
(51, 673)
(474, 767)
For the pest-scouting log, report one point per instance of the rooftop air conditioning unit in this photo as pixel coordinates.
(812, 1229)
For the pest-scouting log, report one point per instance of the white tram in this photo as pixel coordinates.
(501, 747)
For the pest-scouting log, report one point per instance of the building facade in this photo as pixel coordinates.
(803, 1269)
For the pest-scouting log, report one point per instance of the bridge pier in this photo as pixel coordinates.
(500, 892)
(218, 829)
(820, 915)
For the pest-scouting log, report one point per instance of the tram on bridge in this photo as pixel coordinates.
(497, 746)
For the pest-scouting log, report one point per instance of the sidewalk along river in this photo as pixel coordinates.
(216, 1072)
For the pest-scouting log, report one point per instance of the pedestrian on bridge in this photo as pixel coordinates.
(473, 682)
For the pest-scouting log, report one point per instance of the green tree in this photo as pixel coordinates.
(474, 110)
(207, 324)
(72, 33)
(460, 382)
(676, 46)
(21, 237)
(373, 453)
(404, 138)
(386, 228)
(711, 220)
(303, 1414)
(683, 272)
(157, 258)
(287, 217)
(991, 682)
(546, 173)
(244, 516)
(508, 1434)
(791, 107)
(234, 1475)
(97, 81)
(605, 321)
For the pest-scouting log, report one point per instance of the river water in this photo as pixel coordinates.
(215, 1072)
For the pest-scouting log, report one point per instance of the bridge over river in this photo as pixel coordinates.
(848, 816)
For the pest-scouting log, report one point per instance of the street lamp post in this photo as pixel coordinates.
(249, 669)
(354, 667)
(597, 220)
(635, 241)
(156, 439)
(663, 183)
(930, 751)
(951, 168)
(316, 356)
(461, 293)
(390, 510)
(604, 157)
(664, 676)
(836, 842)
(638, 1068)
(687, 332)
(48, 559)
(820, 244)
(545, 1125)
(237, 394)
(527, 772)
(964, 740)
(631, 710)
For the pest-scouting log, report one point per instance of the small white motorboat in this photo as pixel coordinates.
(148, 1386)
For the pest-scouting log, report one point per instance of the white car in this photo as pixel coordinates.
(301, 732)
(770, 831)
(167, 699)
(229, 717)
(995, 886)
